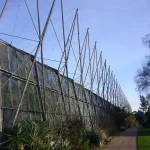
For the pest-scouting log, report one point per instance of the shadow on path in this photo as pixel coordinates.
(126, 140)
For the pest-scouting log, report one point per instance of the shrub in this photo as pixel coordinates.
(92, 137)
(15, 138)
(27, 135)
(78, 137)
(146, 124)
(131, 121)
(119, 115)
(38, 135)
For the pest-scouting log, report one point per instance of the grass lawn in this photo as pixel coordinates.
(144, 139)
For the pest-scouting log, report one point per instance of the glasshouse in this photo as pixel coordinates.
(63, 97)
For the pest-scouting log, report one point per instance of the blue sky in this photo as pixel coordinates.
(116, 25)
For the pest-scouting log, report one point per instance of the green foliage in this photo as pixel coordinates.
(131, 121)
(124, 119)
(84, 141)
(120, 115)
(27, 135)
(143, 116)
(144, 104)
(78, 137)
(38, 135)
(91, 137)
(140, 117)
(15, 138)
(146, 124)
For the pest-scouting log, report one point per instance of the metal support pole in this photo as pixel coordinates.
(66, 53)
(108, 85)
(28, 77)
(2, 12)
(66, 60)
(39, 90)
(42, 60)
(78, 65)
(82, 85)
(99, 75)
(92, 81)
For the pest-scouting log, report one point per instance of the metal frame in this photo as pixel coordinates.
(103, 85)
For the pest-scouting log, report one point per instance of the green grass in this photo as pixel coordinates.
(144, 139)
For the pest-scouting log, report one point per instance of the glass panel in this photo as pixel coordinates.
(28, 64)
(13, 61)
(30, 100)
(39, 70)
(74, 106)
(49, 78)
(86, 112)
(4, 63)
(67, 84)
(5, 91)
(32, 97)
(79, 91)
(71, 90)
(53, 103)
(67, 104)
(103, 102)
(64, 84)
(14, 92)
(95, 99)
(62, 106)
(81, 107)
(48, 101)
(37, 104)
(24, 115)
(52, 79)
(46, 77)
(21, 64)
(87, 93)
(25, 101)
(7, 117)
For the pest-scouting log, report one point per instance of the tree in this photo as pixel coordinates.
(131, 121)
(144, 104)
(140, 117)
(119, 115)
(147, 123)
(142, 78)
(148, 97)
(146, 40)
(143, 115)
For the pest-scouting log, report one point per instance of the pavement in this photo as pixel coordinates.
(126, 140)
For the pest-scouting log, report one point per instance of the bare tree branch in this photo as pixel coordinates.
(142, 78)
(146, 40)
